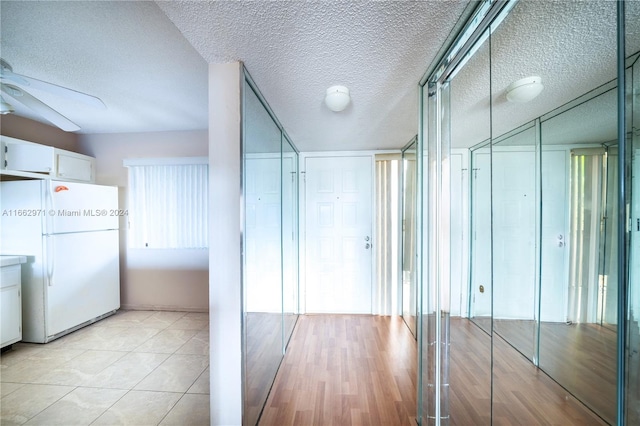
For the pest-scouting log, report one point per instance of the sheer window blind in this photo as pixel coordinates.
(388, 292)
(168, 203)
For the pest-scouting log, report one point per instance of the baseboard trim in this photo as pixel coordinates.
(161, 308)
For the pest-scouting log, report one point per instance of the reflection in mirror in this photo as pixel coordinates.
(632, 161)
(262, 272)
(470, 219)
(593, 244)
(553, 190)
(409, 271)
(289, 237)
(471, 130)
(607, 315)
(270, 242)
(544, 206)
(514, 206)
(480, 217)
(578, 165)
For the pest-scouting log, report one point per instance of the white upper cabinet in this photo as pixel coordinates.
(31, 160)
(73, 166)
(24, 157)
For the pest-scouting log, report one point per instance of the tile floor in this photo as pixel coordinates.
(133, 368)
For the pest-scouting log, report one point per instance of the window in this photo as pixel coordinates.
(168, 203)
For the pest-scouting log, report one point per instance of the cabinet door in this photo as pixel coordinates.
(74, 167)
(29, 158)
(10, 306)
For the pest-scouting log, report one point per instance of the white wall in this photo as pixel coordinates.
(225, 297)
(152, 279)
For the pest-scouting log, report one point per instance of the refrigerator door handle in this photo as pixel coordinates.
(50, 208)
(50, 260)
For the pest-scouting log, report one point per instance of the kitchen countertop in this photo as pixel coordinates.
(12, 260)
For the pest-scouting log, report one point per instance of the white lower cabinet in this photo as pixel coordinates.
(10, 301)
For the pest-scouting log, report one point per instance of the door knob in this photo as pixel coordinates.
(367, 245)
(366, 238)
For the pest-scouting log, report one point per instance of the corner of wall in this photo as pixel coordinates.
(225, 298)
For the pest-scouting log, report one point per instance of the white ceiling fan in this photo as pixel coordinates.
(14, 88)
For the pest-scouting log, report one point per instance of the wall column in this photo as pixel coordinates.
(225, 289)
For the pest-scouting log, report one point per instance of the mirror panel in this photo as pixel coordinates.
(270, 248)
(471, 130)
(409, 209)
(262, 272)
(470, 171)
(434, 330)
(515, 223)
(290, 269)
(480, 289)
(428, 402)
(553, 239)
(607, 315)
(577, 243)
(546, 219)
(632, 161)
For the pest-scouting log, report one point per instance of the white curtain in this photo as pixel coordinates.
(387, 294)
(168, 206)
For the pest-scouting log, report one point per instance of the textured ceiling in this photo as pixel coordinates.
(126, 53)
(148, 61)
(571, 45)
(152, 76)
(296, 50)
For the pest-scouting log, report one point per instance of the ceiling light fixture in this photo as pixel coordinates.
(337, 98)
(525, 89)
(5, 108)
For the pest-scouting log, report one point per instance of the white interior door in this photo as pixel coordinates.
(514, 227)
(338, 233)
(263, 267)
(554, 244)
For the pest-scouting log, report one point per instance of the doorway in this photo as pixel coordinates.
(338, 229)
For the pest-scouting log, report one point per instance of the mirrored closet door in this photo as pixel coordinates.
(270, 248)
(551, 212)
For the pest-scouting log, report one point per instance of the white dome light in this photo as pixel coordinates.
(337, 98)
(525, 89)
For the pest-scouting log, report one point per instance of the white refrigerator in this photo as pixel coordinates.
(69, 233)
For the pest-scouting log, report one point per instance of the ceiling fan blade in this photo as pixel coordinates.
(6, 73)
(20, 96)
(61, 91)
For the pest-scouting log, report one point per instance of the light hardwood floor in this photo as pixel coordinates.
(263, 354)
(581, 357)
(360, 369)
(346, 369)
(522, 393)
